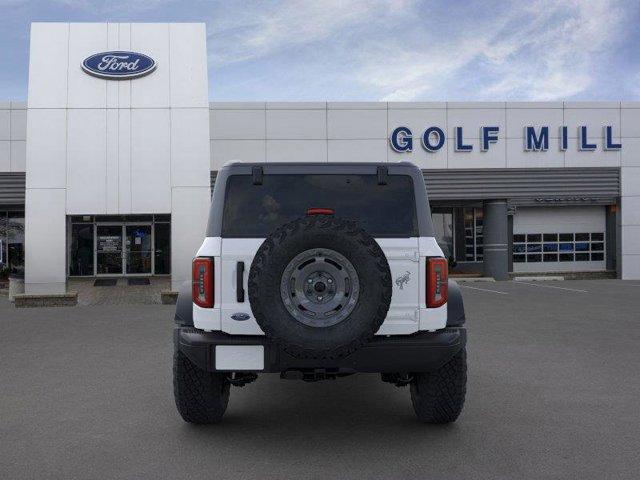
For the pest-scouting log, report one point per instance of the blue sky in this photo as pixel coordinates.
(363, 50)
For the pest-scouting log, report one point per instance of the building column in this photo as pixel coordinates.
(629, 267)
(45, 241)
(611, 235)
(188, 229)
(495, 240)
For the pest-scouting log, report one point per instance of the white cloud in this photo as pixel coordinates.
(546, 51)
(242, 34)
(407, 50)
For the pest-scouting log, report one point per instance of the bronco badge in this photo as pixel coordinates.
(403, 279)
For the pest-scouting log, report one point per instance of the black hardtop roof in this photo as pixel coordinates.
(319, 168)
(324, 164)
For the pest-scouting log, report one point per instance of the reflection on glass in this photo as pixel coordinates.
(138, 244)
(81, 251)
(443, 225)
(109, 249)
(582, 247)
(163, 248)
(570, 251)
(15, 241)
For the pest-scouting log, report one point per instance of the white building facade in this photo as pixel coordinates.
(118, 171)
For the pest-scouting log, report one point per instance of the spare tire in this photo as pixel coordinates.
(320, 287)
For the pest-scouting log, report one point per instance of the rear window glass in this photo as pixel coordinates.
(381, 210)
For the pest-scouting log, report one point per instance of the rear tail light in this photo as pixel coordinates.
(202, 282)
(437, 282)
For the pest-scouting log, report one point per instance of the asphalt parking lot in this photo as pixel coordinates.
(554, 389)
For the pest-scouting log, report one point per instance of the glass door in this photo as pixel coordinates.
(139, 249)
(109, 250)
(444, 228)
(162, 241)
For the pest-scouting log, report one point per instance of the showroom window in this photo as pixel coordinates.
(473, 239)
(444, 226)
(11, 242)
(558, 247)
(115, 245)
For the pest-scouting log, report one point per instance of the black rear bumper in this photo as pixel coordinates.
(419, 352)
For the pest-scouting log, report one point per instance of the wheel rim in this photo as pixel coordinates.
(320, 287)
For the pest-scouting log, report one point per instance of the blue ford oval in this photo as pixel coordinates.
(240, 317)
(118, 65)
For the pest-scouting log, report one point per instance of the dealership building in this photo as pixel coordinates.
(107, 168)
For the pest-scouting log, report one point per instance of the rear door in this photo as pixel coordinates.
(236, 256)
(386, 211)
(403, 255)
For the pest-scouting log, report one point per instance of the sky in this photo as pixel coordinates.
(377, 50)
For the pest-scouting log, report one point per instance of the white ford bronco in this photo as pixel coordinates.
(317, 271)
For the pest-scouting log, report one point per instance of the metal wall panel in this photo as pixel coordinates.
(527, 186)
(12, 188)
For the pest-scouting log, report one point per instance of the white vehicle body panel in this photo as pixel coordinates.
(407, 261)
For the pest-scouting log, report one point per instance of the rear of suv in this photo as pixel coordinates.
(317, 271)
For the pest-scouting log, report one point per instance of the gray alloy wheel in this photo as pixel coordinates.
(320, 287)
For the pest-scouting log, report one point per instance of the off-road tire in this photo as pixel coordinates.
(349, 240)
(438, 397)
(201, 397)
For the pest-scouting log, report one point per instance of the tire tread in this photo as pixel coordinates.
(438, 397)
(201, 397)
(342, 226)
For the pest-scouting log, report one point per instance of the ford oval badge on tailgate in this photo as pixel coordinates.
(241, 317)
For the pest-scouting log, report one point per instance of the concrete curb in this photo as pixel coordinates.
(168, 297)
(475, 279)
(69, 299)
(538, 278)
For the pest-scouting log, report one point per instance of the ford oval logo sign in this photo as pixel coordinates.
(240, 317)
(118, 65)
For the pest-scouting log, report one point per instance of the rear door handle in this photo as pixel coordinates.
(240, 282)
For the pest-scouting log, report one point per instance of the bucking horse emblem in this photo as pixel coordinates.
(403, 279)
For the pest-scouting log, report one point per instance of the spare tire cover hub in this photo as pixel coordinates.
(320, 287)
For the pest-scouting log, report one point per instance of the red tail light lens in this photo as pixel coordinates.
(320, 211)
(202, 282)
(437, 282)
